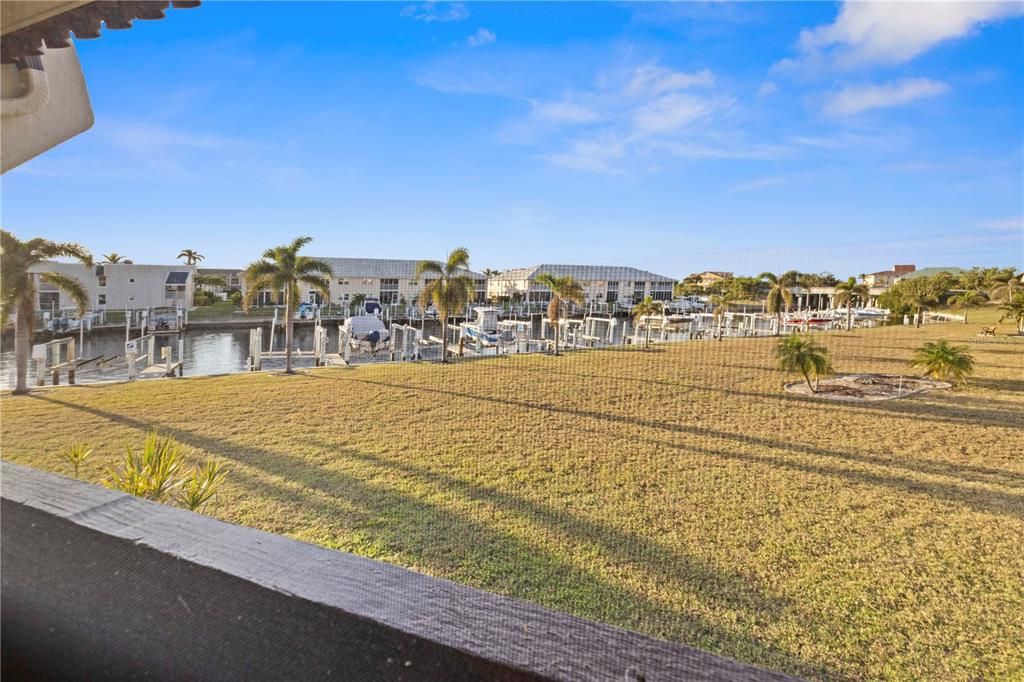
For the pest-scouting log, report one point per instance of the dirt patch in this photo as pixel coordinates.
(868, 387)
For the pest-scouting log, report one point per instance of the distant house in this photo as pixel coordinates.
(930, 272)
(116, 286)
(886, 278)
(601, 283)
(708, 277)
(388, 279)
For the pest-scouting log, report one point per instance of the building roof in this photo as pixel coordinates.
(587, 272)
(717, 273)
(177, 277)
(378, 268)
(928, 272)
(891, 273)
(219, 272)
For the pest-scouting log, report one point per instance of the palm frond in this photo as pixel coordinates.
(429, 267)
(71, 286)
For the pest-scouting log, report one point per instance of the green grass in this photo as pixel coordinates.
(225, 310)
(678, 491)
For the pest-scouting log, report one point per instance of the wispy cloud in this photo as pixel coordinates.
(760, 183)
(652, 79)
(866, 33)
(481, 37)
(767, 89)
(1014, 223)
(436, 11)
(856, 99)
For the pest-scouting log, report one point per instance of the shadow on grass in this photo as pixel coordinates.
(986, 501)
(431, 535)
(916, 408)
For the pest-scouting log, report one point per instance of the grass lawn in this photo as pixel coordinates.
(677, 491)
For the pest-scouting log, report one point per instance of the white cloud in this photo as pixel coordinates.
(436, 11)
(1014, 223)
(651, 79)
(592, 154)
(564, 111)
(767, 89)
(481, 37)
(893, 32)
(672, 112)
(855, 99)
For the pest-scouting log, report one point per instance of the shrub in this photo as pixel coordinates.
(75, 454)
(235, 296)
(203, 297)
(797, 353)
(150, 473)
(201, 486)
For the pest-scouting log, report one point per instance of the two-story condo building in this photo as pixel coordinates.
(117, 286)
(601, 283)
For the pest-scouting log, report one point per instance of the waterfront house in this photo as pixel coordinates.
(117, 286)
(708, 277)
(601, 283)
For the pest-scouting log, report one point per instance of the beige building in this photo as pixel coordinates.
(708, 277)
(390, 280)
(120, 285)
(601, 283)
(886, 278)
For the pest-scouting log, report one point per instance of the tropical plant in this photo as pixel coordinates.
(200, 281)
(1014, 310)
(1006, 284)
(204, 297)
(191, 256)
(114, 257)
(720, 306)
(283, 269)
(647, 308)
(848, 293)
(965, 300)
(150, 473)
(358, 301)
(201, 485)
(491, 273)
(235, 296)
(449, 290)
(919, 301)
(797, 353)
(75, 454)
(779, 295)
(18, 289)
(564, 290)
(943, 361)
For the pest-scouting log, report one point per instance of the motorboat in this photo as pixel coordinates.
(485, 329)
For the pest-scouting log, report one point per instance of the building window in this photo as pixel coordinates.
(131, 280)
(49, 300)
(102, 280)
(101, 299)
(389, 291)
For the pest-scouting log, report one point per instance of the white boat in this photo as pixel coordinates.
(368, 329)
(485, 328)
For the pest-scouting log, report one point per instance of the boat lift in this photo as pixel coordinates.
(318, 352)
(144, 348)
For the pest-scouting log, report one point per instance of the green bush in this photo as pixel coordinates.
(235, 296)
(203, 297)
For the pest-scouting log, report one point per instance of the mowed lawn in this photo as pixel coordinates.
(677, 491)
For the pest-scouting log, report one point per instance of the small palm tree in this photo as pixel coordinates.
(1014, 310)
(966, 300)
(848, 293)
(720, 304)
(282, 268)
(919, 302)
(943, 361)
(491, 273)
(191, 256)
(647, 308)
(1007, 284)
(358, 301)
(563, 290)
(450, 289)
(18, 289)
(114, 257)
(779, 295)
(797, 353)
(202, 281)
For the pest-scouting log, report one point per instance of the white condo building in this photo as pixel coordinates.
(601, 283)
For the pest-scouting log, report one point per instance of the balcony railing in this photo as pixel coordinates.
(98, 584)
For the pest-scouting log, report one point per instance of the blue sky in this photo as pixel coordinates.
(677, 138)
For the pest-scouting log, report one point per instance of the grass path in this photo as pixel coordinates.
(677, 491)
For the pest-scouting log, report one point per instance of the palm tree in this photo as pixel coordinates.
(848, 293)
(965, 300)
(943, 361)
(191, 256)
(720, 304)
(450, 289)
(802, 354)
(200, 281)
(1007, 284)
(647, 308)
(1014, 310)
(491, 273)
(919, 301)
(779, 295)
(18, 289)
(358, 300)
(114, 257)
(282, 268)
(563, 290)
